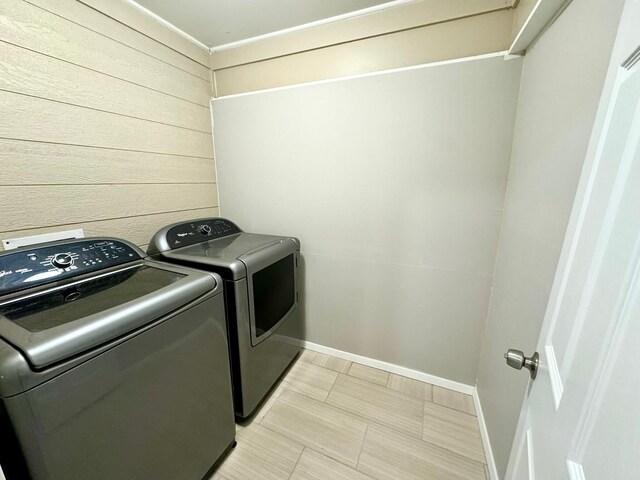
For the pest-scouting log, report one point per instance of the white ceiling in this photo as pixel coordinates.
(218, 22)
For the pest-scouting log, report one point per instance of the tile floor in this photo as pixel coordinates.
(338, 420)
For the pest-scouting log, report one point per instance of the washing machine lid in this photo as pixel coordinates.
(57, 320)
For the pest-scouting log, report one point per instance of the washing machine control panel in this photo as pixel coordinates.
(32, 266)
(198, 231)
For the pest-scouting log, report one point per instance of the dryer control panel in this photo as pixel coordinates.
(32, 266)
(198, 231)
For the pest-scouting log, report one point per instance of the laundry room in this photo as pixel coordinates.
(276, 240)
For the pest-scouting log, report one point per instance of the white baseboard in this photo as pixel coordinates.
(390, 367)
(491, 463)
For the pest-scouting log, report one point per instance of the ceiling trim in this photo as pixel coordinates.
(304, 26)
(166, 23)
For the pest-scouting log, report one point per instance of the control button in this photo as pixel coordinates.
(62, 260)
(204, 230)
(33, 257)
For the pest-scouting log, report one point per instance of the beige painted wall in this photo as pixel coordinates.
(411, 34)
(105, 127)
(394, 184)
(562, 80)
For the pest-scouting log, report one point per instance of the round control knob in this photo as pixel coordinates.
(204, 229)
(62, 260)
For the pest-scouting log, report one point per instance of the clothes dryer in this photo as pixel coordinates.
(260, 274)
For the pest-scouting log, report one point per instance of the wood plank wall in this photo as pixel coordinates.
(105, 123)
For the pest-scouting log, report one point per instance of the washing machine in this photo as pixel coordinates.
(260, 275)
(111, 366)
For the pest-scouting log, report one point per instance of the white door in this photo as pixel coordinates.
(581, 415)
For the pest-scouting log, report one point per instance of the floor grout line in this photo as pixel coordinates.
(377, 384)
(453, 451)
(454, 409)
(424, 414)
(335, 380)
(408, 395)
(364, 438)
(369, 420)
(297, 461)
(428, 442)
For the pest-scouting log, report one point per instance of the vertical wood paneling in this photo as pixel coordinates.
(105, 127)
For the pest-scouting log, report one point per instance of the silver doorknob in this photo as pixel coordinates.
(517, 360)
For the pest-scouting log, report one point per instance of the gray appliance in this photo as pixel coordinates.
(111, 366)
(260, 274)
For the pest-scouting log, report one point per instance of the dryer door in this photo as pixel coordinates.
(272, 279)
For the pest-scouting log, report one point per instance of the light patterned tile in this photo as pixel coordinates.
(452, 399)
(331, 431)
(415, 388)
(217, 476)
(315, 466)
(453, 430)
(306, 356)
(370, 374)
(261, 454)
(310, 380)
(332, 363)
(391, 455)
(257, 418)
(377, 403)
